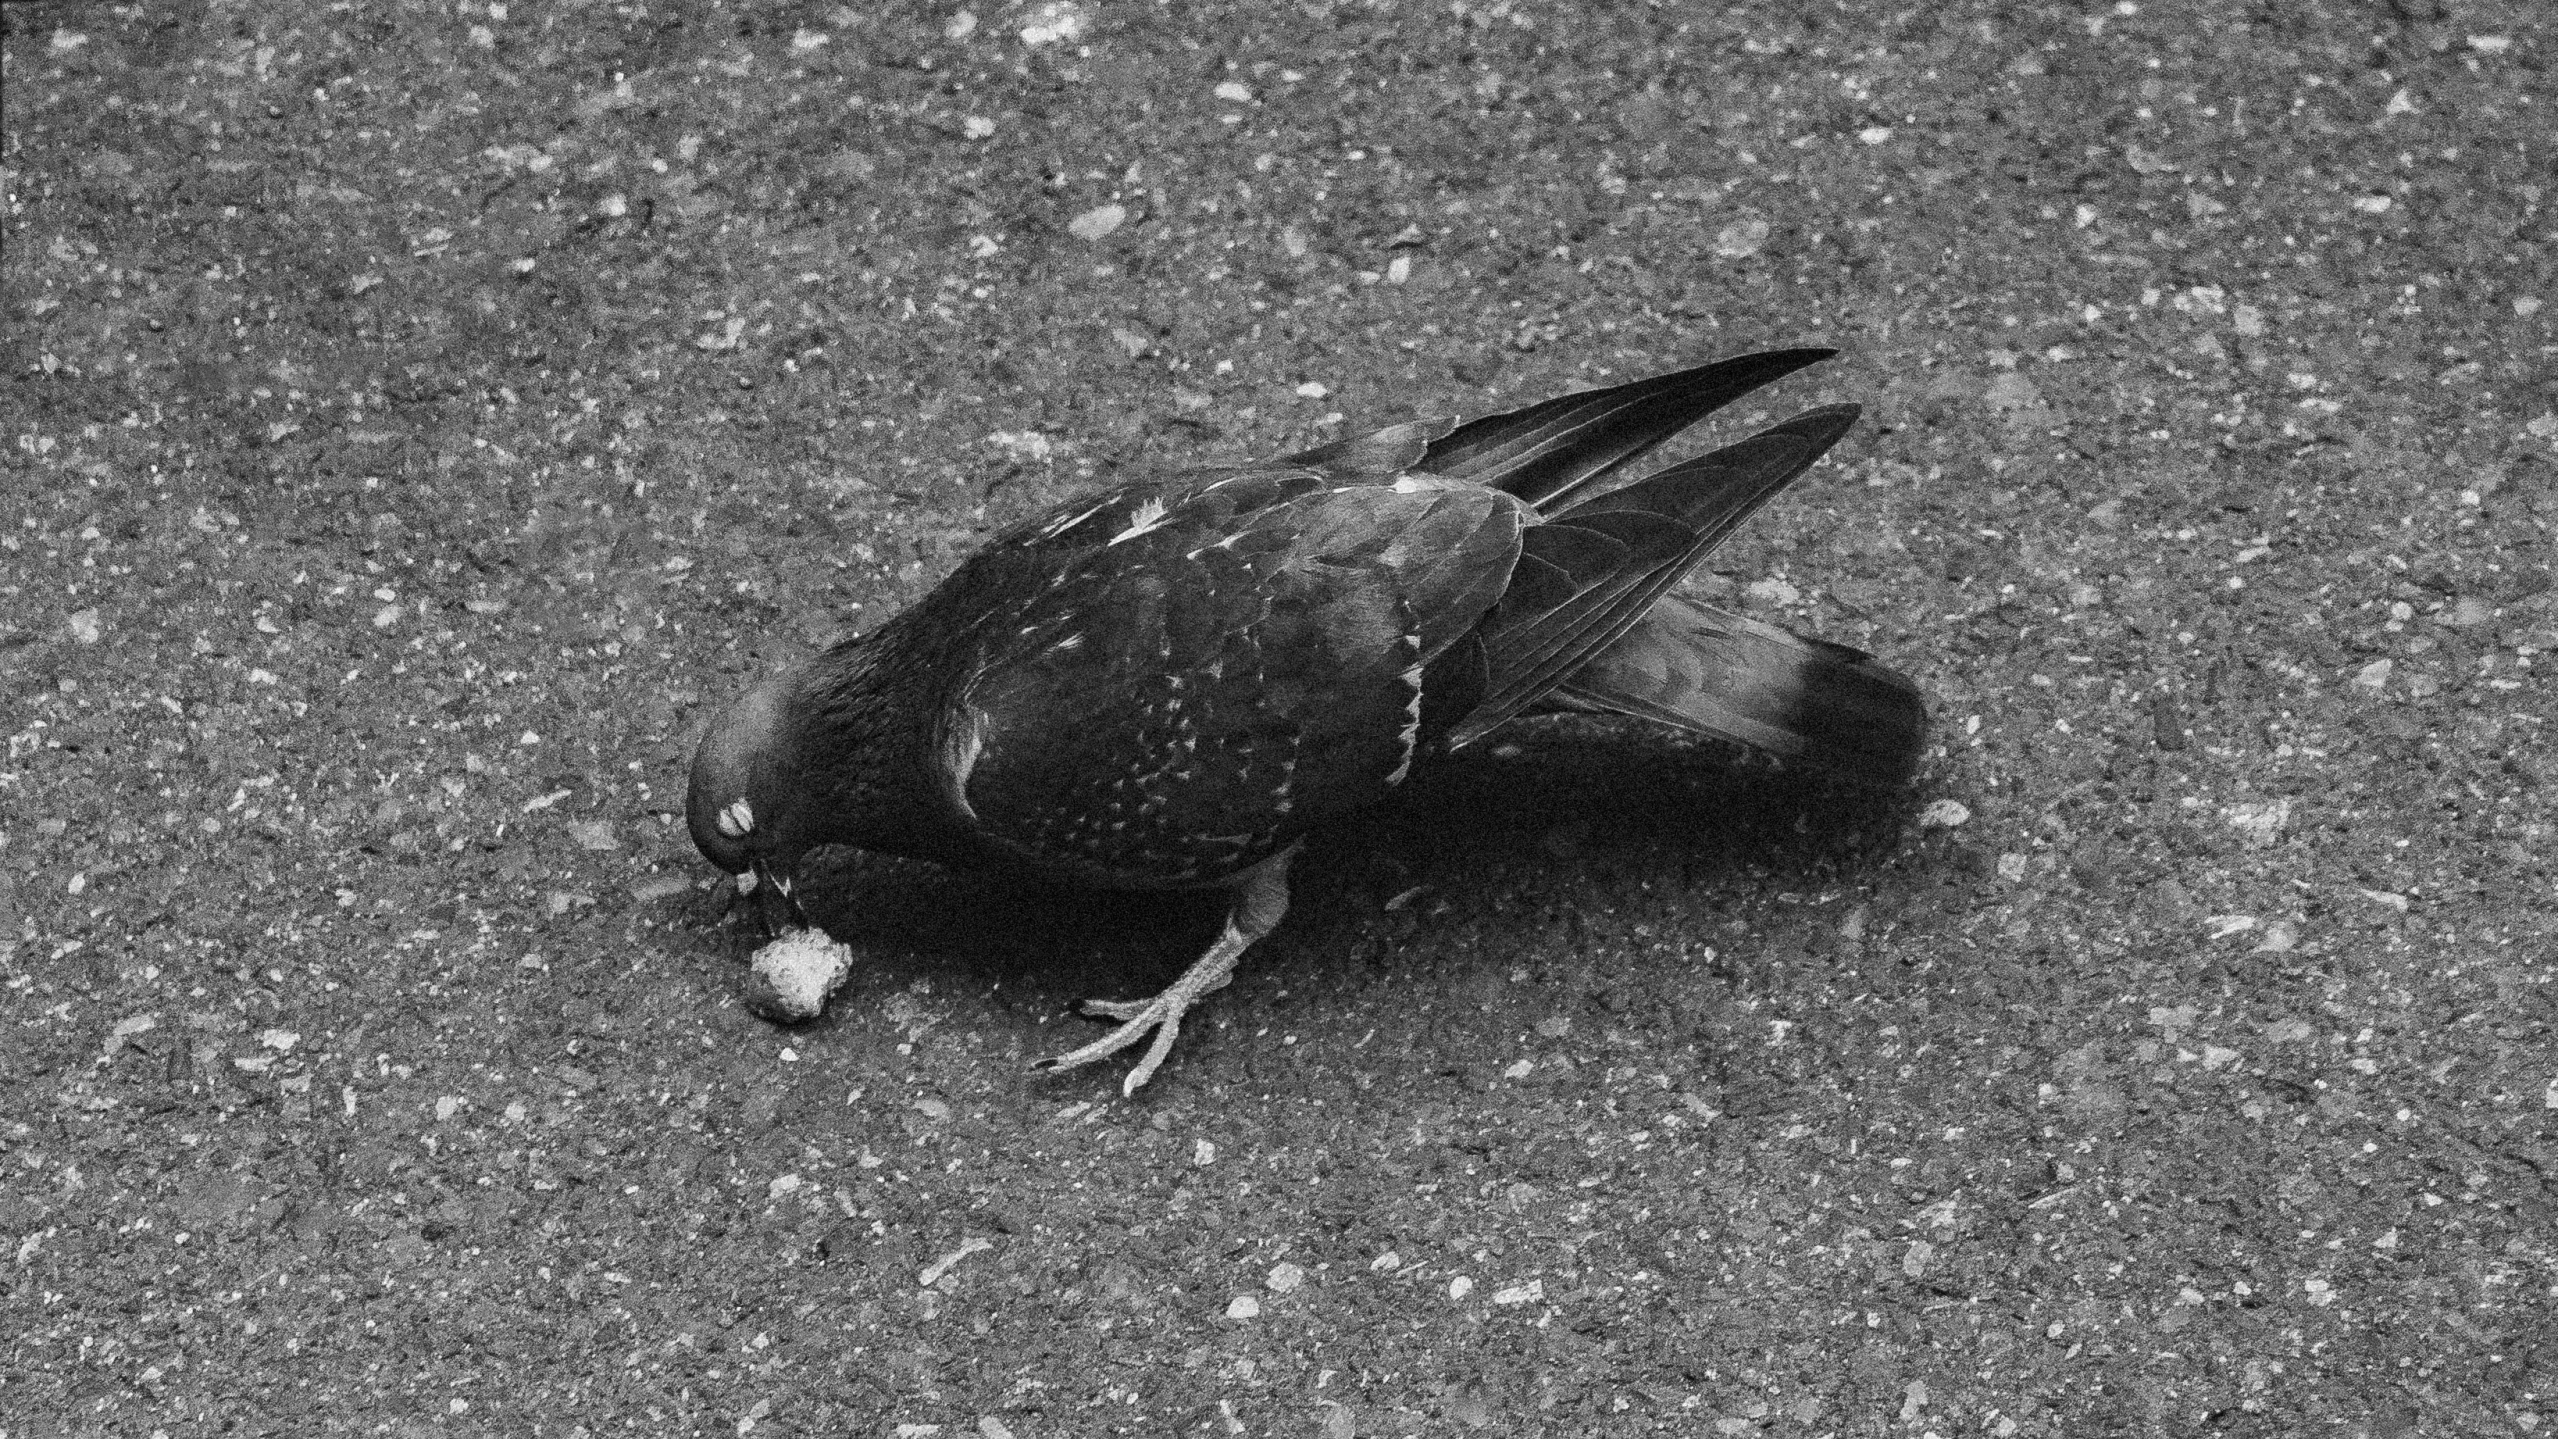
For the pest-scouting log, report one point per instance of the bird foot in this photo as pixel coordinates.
(1161, 1015)
(1259, 903)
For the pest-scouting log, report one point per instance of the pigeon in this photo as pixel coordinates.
(1173, 682)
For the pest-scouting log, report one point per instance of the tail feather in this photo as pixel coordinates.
(1702, 669)
(1587, 575)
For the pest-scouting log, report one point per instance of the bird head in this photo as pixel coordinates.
(741, 806)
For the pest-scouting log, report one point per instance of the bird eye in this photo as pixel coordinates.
(736, 820)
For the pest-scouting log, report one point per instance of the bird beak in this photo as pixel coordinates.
(776, 908)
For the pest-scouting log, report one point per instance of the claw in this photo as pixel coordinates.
(1259, 903)
(1161, 1014)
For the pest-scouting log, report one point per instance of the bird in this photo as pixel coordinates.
(1173, 682)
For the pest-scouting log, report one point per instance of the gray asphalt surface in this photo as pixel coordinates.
(419, 416)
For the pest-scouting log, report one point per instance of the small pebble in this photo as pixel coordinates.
(1098, 222)
(1741, 239)
(1772, 592)
(1053, 22)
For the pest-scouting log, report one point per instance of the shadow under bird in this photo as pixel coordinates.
(1170, 683)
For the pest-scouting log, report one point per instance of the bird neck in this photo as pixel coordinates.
(870, 750)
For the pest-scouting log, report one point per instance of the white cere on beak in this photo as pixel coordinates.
(747, 879)
(736, 820)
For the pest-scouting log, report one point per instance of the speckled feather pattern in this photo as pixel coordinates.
(1195, 670)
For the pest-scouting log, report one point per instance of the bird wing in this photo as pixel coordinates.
(1551, 453)
(1380, 455)
(1587, 575)
(1209, 665)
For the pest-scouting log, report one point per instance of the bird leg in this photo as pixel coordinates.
(1260, 900)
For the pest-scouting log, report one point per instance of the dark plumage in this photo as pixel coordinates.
(1169, 683)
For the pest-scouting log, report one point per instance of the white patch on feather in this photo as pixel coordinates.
(1411, 736)
(1059, 527)
(961, 743)
(1147, 516)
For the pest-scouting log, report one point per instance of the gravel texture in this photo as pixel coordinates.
(417, 416)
